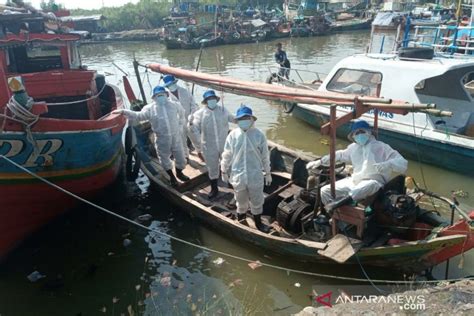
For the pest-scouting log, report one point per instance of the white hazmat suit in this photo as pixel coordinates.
(244, 159)
(167, 122)
(186, 99)
(373, 165)
(210, 128)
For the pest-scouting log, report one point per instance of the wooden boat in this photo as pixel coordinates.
(289, 208)
(351, 25)
(289, 178)
(68, 136)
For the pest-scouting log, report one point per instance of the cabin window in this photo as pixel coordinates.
(456, 84)
(468, 82)
(353, 81)
(34, 58)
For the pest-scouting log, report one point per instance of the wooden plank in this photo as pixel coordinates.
(341, 248)
(312, 244)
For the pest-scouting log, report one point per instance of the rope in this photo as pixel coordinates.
(314, 274)
(80, 101)
(22, 116)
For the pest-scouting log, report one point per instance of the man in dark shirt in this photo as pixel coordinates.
(282, 60)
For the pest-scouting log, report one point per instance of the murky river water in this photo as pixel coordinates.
(89, 271)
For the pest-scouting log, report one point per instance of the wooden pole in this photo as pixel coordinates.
(197, 66)
(140, 85)
(332, 151)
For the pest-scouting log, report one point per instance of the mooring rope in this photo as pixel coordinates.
(82, 100)
(288, 270)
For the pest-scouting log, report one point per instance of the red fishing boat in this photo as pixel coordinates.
(55, 121)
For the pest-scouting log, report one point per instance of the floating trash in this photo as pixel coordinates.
(35, 276)
(127, 242)
(218, 262)
(143, 218)
(255, 265)
(297, 284)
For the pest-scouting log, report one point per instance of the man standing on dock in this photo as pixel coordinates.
(282, 59)
(183, 96)
(245, 160)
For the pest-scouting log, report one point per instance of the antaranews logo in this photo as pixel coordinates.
(406, 302)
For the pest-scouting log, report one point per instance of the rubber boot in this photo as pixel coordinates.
(173, 180)
(241, 217)
(330, 207)
(180, 175)
(260, 226)
(214, 190)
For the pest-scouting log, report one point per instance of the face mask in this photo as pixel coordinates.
(161, 99)
(245, 124)
(361, 139)
(211, 104)
(173, 87)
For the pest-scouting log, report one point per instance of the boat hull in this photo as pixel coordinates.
(443, 154)
(82, 162)
(411, 256)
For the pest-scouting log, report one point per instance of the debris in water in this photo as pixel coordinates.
(110, 254)
(235, 282)
(193, 307)
(188, 298)
(297, 284)
(174, 262)
(137, 287)
(143, 218)
(255, 265)
(115, 299)
(130, 310)
(165, 281)
(219, 261)
(127, 242)
(461, 194)
(35, 276)
(103, 310)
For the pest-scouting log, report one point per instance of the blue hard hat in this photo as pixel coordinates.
(159, 89)
(359, 124)
(356, 125)
(169, 80)
(209, 94)
(244, 111)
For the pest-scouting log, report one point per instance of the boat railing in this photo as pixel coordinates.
(451, 39)
(318, 76)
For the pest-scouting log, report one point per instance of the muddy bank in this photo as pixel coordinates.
(132, 35)
(441, 299)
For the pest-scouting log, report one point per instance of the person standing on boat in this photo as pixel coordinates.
(183, 96)
(373, 162)
(167, 119)
(282, 59)
(246, 165)
(210, 125)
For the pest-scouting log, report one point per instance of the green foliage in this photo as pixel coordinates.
(51, 5)
(146, 14)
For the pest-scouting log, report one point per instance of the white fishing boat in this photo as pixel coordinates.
(447, 142)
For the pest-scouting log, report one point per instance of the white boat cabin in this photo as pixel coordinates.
(449, 83)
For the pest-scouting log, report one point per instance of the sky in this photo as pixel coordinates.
(86, 4)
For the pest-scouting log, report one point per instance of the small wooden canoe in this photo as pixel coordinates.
(439, 243)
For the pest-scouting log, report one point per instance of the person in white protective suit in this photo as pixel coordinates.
(186, 99)
(210, 125)
(246, 164)
(373, 162)
(166, 118)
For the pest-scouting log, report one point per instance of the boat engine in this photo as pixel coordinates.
(322, 228)
(290, 213)
(399, 210)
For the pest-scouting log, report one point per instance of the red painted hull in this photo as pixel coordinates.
(26, 212)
